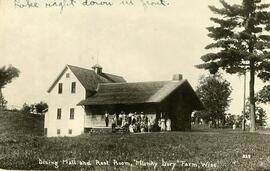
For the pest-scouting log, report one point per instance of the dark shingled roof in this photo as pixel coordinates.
(136, 93)
(88, 78)
(113, 78)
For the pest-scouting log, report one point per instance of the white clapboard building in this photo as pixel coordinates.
(79, 99)
(65, 117)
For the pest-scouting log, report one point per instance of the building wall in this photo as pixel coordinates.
(179, 108)
(65, 101)
(95, 121)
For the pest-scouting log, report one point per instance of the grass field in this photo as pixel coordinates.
(196, 150)
(16, 123)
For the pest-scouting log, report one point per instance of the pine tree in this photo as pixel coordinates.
(241, 37)
(263, 96)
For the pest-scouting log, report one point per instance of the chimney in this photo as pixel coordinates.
(177, 77)
(97, 68)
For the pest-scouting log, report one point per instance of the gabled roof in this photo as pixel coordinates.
(88, 78)
(136, 93)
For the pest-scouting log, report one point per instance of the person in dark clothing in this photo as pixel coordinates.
(114, 122)
(107, 119)
(120, 118)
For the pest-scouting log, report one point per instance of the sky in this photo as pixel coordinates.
(138, 42)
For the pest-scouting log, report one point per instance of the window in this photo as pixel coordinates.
(59, 111)
(45, 131)
(60, 88)
(70, 131)
(71, 113)
(73, 87)
(67, 75)
(58, 131)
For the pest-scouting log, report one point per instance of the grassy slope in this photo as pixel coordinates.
(16, 123)
(225, 149)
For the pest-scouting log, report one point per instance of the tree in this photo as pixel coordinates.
(260, 114)
(242, 41)
(263, 95)
(26, 108)
(233, 119)
(7, 74)
(41, 107)
(3, 102)
(214, 92)
(36, 108)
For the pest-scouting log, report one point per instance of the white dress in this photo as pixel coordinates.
(162, 126)
(123, 120)
(168, 125)
(131, 128)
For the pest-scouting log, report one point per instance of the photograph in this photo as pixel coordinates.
(135, 85)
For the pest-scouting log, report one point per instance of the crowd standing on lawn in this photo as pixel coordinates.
(134, 122)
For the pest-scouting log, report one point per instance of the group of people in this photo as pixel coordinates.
(164, 124)
(134, 122)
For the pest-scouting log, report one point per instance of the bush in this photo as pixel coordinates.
(36, 108)
(26, 108)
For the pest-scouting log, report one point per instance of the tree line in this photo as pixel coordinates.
(215, 93)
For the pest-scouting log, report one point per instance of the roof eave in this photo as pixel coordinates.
(85, 104)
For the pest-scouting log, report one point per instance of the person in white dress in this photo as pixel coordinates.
(124, 121)
(162, 124)
(168, 125)
(131, 128)
(149, 126)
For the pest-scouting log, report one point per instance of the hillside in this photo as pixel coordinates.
(16, 123)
